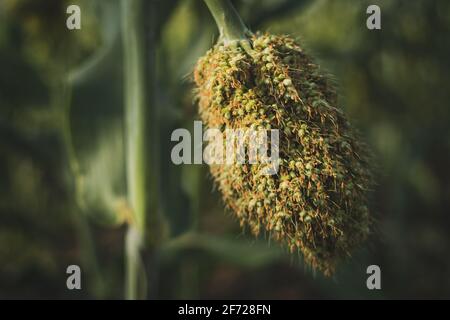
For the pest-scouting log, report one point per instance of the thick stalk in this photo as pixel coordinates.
(230, 25)
(133, 16)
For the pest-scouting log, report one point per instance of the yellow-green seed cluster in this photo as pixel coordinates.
(317, 201)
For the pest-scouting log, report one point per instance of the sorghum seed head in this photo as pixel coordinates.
(318, 198)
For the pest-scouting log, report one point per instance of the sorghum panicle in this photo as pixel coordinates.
(317, 201)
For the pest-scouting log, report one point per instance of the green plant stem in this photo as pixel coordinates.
(230, 25)
(136, 278)
(135, 136)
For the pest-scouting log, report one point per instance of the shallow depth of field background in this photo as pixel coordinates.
(394, 84)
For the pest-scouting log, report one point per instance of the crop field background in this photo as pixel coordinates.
(63, 150)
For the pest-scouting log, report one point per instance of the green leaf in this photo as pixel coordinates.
(230, 250)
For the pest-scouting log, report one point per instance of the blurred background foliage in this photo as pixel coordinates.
(62, 180)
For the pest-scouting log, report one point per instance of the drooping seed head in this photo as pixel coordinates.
(317, 201)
